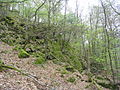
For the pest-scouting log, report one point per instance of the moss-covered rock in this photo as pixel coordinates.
(23, 54)
(71, 79)
(40, 60)
(40, 57)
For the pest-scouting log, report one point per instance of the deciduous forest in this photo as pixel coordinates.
(44, 45)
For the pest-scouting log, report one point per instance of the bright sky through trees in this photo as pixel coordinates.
(83, 5)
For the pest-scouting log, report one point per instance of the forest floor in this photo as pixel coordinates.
(48, 74)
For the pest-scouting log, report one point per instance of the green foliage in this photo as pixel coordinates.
(40, 57)
(10, 41)
(57, 62)
(70, 54)
(71, 79)
(6, 67)
(1, 65)
(75, 62)
(23, 54)
(55, 50)
(73, 58)
(109, 86)
(63, 71)
(70, 40)
(38, 54)
(71, 18)
(17, 48)
(1, 62)
(40, 60)
(96, 67)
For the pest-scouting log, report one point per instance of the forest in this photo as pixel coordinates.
(44, 45)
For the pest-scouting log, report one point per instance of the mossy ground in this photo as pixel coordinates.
(71, 79)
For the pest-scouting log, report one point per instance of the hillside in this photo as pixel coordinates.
(49, 75)
(55, 45)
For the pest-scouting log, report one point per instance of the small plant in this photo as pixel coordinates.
(71, 79)
(23, 54)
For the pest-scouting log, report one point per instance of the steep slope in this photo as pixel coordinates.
(49, 75)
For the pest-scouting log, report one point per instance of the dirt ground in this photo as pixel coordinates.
(48, 76)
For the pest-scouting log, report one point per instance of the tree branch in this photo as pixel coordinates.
(114, 8)
(13, 1)
(38, 9)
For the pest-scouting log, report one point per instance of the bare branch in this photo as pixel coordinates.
(114, 8)
(13, 1)
(38, 9)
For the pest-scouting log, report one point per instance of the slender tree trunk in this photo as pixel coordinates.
(108, 41)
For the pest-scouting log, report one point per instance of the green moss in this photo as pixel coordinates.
(40, 60)
(75, 62)
(40, 57)
(62, 71)
(23, 54)
(1, 62)
(71, 79)
(1, 66)
(70, 55)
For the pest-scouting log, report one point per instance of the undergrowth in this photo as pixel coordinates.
(32, 42)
